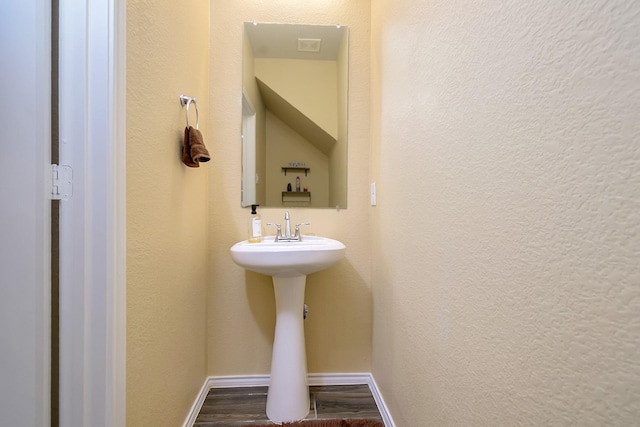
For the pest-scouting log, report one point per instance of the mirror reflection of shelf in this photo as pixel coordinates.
(290, 168)
(300, 198)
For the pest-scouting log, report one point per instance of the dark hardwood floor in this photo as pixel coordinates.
(246, 406)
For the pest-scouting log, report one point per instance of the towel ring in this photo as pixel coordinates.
(186, 101)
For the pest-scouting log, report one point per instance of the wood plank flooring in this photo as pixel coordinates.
(246, 406)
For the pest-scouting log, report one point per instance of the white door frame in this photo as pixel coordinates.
(249, 177)
(92, 222)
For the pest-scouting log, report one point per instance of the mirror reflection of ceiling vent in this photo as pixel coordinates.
(309, 45)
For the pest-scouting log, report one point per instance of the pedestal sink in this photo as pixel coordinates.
(288, 263)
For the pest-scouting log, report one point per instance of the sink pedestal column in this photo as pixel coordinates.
(288, 396)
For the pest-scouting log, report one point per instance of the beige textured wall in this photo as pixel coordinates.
(506, 147)
(167, 204)
(241, 307)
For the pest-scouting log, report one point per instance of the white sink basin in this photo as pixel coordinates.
(288, 259)
(288, 263)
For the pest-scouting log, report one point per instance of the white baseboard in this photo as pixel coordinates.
(313, 379)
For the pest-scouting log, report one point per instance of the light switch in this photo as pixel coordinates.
(374, 198)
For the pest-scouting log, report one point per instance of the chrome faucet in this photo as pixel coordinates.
(287, 225)
(287, 237)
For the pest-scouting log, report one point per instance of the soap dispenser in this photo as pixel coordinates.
(255, 226)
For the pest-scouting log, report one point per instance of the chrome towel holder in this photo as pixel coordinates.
(185, 101)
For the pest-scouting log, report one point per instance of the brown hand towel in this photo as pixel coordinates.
(199, 152)
(186, 150)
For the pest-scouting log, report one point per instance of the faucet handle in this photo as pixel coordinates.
(278, 230)
(298, 235)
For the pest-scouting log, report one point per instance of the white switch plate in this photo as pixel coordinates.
(374, 198)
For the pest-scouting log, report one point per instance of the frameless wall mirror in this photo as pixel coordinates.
(294, 115)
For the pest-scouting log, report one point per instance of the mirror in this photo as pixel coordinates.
(294, 115)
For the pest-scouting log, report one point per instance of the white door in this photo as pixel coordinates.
(25, 229)
(92, 236)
